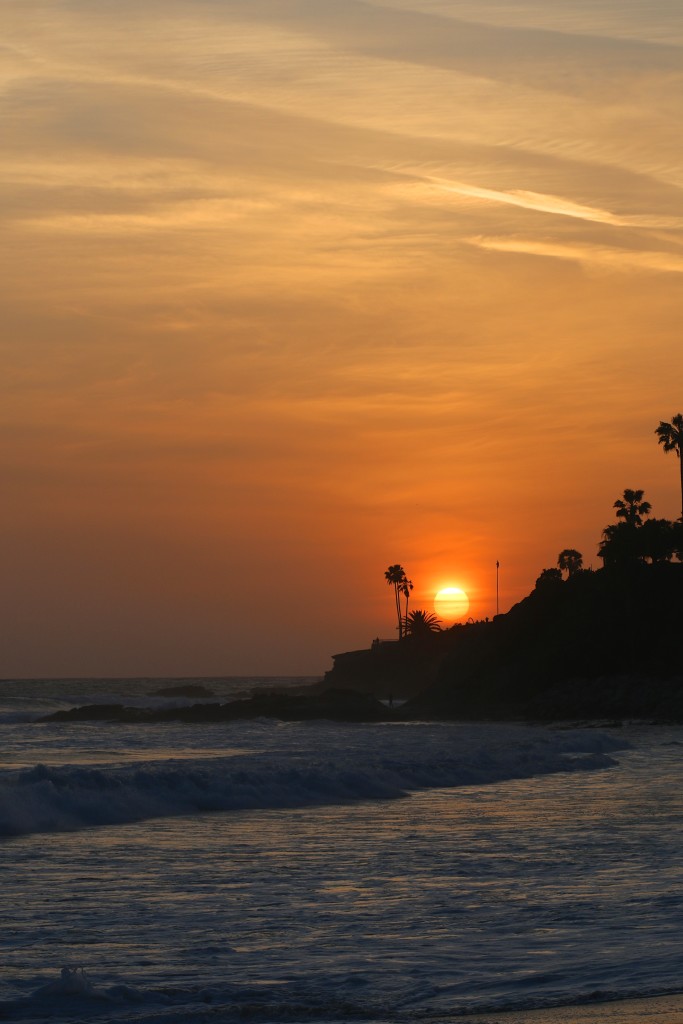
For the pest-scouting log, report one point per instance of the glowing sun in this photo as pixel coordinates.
(451, 603)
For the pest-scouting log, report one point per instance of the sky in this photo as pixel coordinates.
(294, 290)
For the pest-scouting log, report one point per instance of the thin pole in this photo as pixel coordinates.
(497, 568)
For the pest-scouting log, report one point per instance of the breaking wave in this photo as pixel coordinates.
(74, 996)
(358, 764)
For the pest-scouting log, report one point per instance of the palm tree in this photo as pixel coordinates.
(570, 561)
(631, 508)
(657, 540)
(405, 590)
(421, 624)
(619, 544)
(671, 436)
(396, 578)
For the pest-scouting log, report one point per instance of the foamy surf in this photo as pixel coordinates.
(360, 763)
(73, 996)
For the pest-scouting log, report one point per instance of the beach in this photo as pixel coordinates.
(656, 1010)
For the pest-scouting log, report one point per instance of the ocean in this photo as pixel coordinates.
(321, 871)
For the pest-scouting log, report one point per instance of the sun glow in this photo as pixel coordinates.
(451, 604)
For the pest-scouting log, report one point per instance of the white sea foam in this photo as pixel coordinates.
(343, 764)
(73, 997)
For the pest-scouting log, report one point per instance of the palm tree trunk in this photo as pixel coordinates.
(680, 466)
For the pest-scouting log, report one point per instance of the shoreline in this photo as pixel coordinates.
(666, 1009)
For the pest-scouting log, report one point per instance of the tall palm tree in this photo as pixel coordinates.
(671, 436)
(396, 578)
(631, 508)
(405, 590)
(570, 561)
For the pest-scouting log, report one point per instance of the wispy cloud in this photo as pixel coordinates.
(555, 205)
(594, 255)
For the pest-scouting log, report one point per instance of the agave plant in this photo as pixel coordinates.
(420, 623)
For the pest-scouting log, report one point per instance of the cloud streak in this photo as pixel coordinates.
(556, 205)
(589, 255)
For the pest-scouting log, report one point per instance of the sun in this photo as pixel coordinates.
(451, 603)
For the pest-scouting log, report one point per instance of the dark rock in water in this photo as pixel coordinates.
(89, 713)
(336, 705)
(191, 690)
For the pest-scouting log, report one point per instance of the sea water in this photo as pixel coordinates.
(329, 872)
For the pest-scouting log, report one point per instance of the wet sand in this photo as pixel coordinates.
(657, 1010)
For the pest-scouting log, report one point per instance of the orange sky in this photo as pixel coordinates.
(294, 290)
